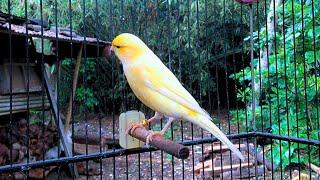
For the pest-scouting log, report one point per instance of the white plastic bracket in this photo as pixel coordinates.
(126, 120)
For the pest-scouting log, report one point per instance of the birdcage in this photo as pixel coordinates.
(66, 107)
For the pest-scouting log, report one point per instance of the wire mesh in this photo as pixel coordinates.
(254, 66)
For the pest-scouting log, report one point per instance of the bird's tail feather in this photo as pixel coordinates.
(208, 125)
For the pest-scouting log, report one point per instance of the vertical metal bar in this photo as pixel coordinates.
(253, 83)
(169, 37)
(260, 93)
(180, 72)
(42, 82)
(269, 96)
(58, 72)
(84, 80)
(190, 79)
(112, 33)
(277, 82)
(217, 89)
(97, 34)
(209, 89)
(72, 94)
(262, 111)
(199, 94)
(295, 82)
(243, 66)
(28, 84)
(286, 82)
(234, 71)
(252, 70)
(305, 82)
(226, 75)
(139, 105)
(317, 65)
(11, 79)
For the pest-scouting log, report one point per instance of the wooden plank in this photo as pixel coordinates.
(20, 76)
(205, 164)
(216, 148)
(57, 118)
(33, 79)
(313, 167)
(245, 173)
(217, 170)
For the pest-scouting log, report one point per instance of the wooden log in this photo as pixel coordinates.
(245, 173)
(216, 148)
(204, 164)
(217, 170)
(94, 139)
(82, 148)
(259, 157)
(166, 145)
(314, 168)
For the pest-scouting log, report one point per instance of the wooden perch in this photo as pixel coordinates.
(171, 147)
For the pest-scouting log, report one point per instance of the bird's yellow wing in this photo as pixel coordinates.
(160, 79)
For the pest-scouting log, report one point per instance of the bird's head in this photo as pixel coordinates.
(128, 47)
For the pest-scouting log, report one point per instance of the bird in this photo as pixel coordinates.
(159, 89)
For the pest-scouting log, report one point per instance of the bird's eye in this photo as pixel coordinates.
(117, 46)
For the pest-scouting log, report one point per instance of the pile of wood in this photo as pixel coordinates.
(16, 138)
(38, 139)
(219, 162)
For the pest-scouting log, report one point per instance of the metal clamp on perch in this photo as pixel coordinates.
(140, 134)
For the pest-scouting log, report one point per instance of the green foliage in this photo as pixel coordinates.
(85, 95)
(289, 98)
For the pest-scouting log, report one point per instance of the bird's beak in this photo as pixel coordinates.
(112, 48)
(107, 51)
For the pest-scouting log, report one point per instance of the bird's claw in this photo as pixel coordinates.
(150, 135)
(133, 127)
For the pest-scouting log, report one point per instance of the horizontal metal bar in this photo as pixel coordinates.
(288, 138)
(122, 152)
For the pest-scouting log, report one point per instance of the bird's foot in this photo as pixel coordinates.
(151, 135)
(133, 127)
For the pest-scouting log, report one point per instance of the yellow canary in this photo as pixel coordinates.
(158, 88)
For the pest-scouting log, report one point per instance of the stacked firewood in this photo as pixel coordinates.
(219, 162)
(18, 139)
(20, 142)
